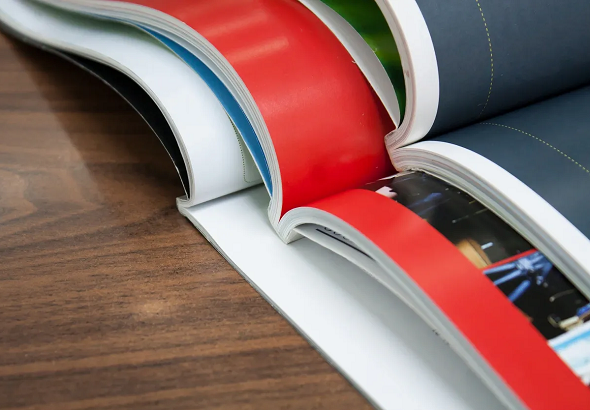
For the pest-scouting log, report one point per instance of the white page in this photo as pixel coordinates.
(209, 143)
(372, 337)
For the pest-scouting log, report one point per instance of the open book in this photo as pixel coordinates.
(442, 149)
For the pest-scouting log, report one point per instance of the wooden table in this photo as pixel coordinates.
(109, 298)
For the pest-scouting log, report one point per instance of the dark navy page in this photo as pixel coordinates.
(497, 55)
(546, 146)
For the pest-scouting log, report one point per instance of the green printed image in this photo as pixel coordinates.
(367, 19)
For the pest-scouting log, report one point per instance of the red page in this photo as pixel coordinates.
(482, 275)
(325, 122)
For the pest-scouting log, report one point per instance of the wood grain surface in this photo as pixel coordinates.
(109, 298)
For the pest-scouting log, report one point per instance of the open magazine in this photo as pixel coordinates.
(480, 228)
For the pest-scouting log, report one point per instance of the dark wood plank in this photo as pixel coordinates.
(109, 298)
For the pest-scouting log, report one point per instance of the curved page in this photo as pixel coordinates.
(497, 300)
(546, 147)
(365, 54)
(321, 120)
(230, 104)
(210, 148)
(372, 337)
(140, 102)
(367, 19)
(494, 56)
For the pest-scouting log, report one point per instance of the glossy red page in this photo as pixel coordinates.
(326, 124)
(494, 326)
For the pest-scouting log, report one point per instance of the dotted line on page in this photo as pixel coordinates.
(542, 142)
(491, 59)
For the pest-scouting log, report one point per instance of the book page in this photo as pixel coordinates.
(546, 146)
(365, 19)
(550, 302)
(196, 130)
(497, 300)
(145, 107)
(379, 344)
(320, 124)
(495, 56)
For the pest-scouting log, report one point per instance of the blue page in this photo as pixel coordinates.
(228, 101)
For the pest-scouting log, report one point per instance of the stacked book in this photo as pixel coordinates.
(406, 181)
